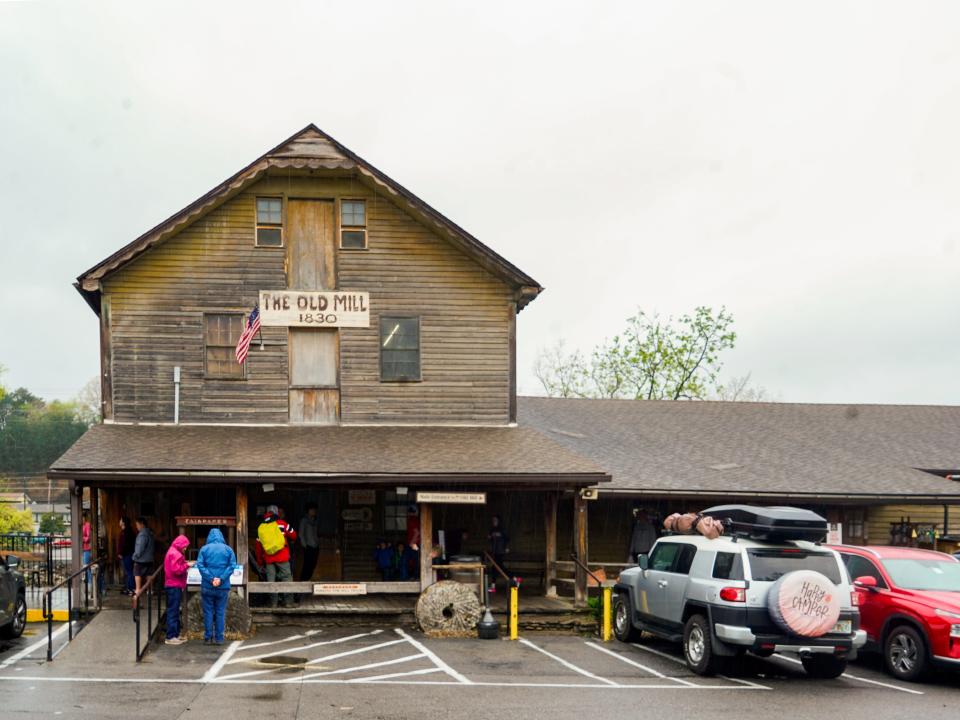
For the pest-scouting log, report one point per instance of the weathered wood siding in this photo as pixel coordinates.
(157, 304)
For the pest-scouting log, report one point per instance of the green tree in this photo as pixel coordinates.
(33, 433)
(13, 520)
(654, 358)
(52, 524)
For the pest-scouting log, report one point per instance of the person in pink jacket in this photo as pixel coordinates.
(175, 568)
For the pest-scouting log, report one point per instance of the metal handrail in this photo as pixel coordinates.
(68, 581)
(499, 569)
(147, 589)
(573, 556)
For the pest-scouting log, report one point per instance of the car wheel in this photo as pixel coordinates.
(825, 667)
(698, 646)
(905, 653)
(18, 623)
(623, 620)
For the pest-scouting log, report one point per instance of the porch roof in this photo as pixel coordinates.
(437, 455)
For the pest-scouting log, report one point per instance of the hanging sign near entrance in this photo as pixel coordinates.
(357, 514)
(314, 308)
(206, 520)
(339, 588)
(456, 498)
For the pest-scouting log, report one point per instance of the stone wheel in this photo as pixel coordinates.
(449, 608)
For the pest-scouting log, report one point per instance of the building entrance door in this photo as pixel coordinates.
(314, 352)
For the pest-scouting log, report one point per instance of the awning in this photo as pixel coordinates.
(327, 454)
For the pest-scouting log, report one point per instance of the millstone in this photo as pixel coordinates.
(450, 609)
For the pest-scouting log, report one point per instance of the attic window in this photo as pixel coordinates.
(269, 222)
(353, 224)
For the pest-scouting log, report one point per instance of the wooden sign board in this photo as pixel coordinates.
(206, 520)
(454, 498)
(314, 308)
(339, 588)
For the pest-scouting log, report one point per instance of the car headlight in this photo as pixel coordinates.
(947, 614)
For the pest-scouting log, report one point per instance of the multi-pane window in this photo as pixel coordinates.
(220, 335)
(353, 224)
(269, 222)
(399, 348)
(395, 510)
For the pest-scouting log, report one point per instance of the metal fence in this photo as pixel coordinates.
(44, 559)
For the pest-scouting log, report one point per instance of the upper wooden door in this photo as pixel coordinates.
(314, 352)
(311, 252)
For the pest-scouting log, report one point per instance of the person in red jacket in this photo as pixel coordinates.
(274, 537)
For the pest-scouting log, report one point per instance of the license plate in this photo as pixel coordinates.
(842, 628)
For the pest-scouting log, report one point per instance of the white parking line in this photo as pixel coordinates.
(681, 661)
(30, 648)
(307, 634)
(570, 665)
(378, 678)
(857, 677)
(635, 664)
(335, 656)
(356, 668)
(252, 658)
(357, 681)
(221, 661)
(433, 658)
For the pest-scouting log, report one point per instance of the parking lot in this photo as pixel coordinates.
(396, 672)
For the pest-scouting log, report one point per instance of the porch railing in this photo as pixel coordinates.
(147, 591)
(88, 571)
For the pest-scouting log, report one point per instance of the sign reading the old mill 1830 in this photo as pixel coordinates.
(314, 308)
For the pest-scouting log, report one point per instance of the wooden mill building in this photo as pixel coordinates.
(385, 367)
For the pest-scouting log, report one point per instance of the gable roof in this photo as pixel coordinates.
(723, 449)
(310, 148)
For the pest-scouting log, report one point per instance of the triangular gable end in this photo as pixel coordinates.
(309, 148)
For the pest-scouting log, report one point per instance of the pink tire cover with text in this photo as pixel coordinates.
(804, 603)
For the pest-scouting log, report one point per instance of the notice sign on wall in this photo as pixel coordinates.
(314, 308)
(339, 588)
(456, 498)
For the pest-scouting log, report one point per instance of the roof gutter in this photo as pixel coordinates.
(911, 498)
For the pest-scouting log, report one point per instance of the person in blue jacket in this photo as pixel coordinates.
(215, 563)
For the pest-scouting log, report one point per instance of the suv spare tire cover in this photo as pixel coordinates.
(805, 603)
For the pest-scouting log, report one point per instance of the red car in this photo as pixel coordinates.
(909, 606)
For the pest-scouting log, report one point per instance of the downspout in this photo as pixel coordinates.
(176, 395)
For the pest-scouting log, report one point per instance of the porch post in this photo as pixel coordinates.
(580, 547)
(426, 546)
(550, 502)
(242, 536)
(76, 538)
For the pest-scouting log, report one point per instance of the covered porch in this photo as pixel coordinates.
(370, 484)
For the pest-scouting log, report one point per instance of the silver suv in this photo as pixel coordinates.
(711, 595)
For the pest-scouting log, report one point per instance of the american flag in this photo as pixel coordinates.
(252, 328)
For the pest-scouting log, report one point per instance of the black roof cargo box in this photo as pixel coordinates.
(770, 524)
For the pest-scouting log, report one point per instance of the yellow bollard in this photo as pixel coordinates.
(607, 613)
(514, 598)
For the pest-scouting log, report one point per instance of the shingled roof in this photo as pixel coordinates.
(311, 149)
(774, 449)
(329, 453)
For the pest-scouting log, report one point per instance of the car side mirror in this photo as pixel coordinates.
(12, 562)
(642, 560)
(866, 582)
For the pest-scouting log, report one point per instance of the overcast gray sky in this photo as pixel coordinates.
(796, 162)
